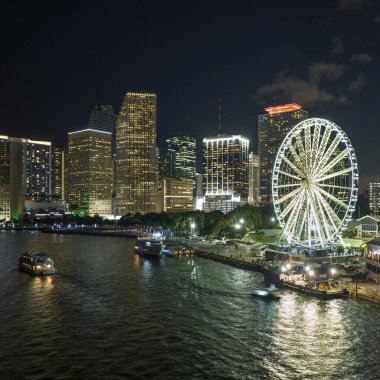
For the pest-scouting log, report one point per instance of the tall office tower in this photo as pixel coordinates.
(136, 175)
(176, 195)
(273, 127)
(225, 172)
(166, 164)
(58, 174)
(89, 171)
(374, 197)
(253, 179)
(37, 170)
(184, 150)
(12, 179)
(103, 118)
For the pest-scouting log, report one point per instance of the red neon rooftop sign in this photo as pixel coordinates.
(283, 108)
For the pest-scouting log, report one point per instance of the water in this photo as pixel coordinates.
(108, 314)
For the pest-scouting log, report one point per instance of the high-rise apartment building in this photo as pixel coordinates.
(175, 195)
(184, 150)
(253, 179)
(136, 167)
(225, 172)
(37, 169)
(12, 179)
(89, 171)
(103, 118)
(273, 127)
(374, 197)
(58, 173)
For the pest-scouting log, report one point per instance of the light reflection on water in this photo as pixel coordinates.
(111, 314)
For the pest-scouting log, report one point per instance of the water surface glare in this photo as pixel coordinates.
(109, 314)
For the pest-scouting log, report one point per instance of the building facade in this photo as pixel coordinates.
(136, 159)
(183, 148)
(103, 118)
(58, 174)
(176, 195)
(273, 127)
(225, 172)
(374, 197)
(12, 179)
(253, 179)
(89, 172)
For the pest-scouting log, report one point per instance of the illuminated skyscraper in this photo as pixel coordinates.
(225, 172)
(58, 173)
(37, 169)
(184, 150)
(273, 127)
(136, 166)
(12, 179)
(253, 179)
(374, 197)
(89, 171)
(103, 118)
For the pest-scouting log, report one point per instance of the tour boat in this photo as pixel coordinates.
(148, 247)
(37, 263)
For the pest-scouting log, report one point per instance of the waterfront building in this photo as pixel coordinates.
(103, 118)
(12, 179)
(136, 167)
(176, 195)
(37, 169)
(374, 197)
(273, 127)
(58, 174)
(253, 179)
(89, 171)
(225, 172)
(183, 148)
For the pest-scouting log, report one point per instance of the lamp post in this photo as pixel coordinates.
(192, 226)
(311, 274)
(273, 220)
(288, 267)
(333, 271)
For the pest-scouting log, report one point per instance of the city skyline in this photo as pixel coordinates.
(310, 57)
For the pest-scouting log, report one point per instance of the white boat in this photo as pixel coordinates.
(37, 263)
(148, 247)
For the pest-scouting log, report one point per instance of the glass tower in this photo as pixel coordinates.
(273, 127)
(253, 179)
(58, 173)
(136, 178)
(184, 150)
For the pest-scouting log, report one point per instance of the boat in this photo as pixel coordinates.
(149, 247)
(37, 263)
(268, 293)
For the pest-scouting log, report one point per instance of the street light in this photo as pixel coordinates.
(237, 226)
(192, 226)
(311, 274)
(333, 271)
(241, 221)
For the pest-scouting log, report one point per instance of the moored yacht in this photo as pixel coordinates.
(148, 247)
(37, 263)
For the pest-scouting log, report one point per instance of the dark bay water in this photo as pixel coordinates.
(108, 314)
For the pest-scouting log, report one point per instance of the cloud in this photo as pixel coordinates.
(363, 58)
(325, 71)
(358, 83)
(291, 88)
(352, 5)
(337, 46)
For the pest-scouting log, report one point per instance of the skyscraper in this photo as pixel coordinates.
(225, 172)
(273, 127)
(58, 173)
(103, 118)
(374, 197)
(12, 179)
(253, 179)
(136, 166)
(184, 150)
(175, 195)
(89, 174)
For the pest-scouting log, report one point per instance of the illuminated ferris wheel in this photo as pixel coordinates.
(315, 183)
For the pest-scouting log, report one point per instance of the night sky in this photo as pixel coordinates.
(59, 58)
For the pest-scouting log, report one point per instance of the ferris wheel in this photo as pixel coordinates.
(315, 183)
